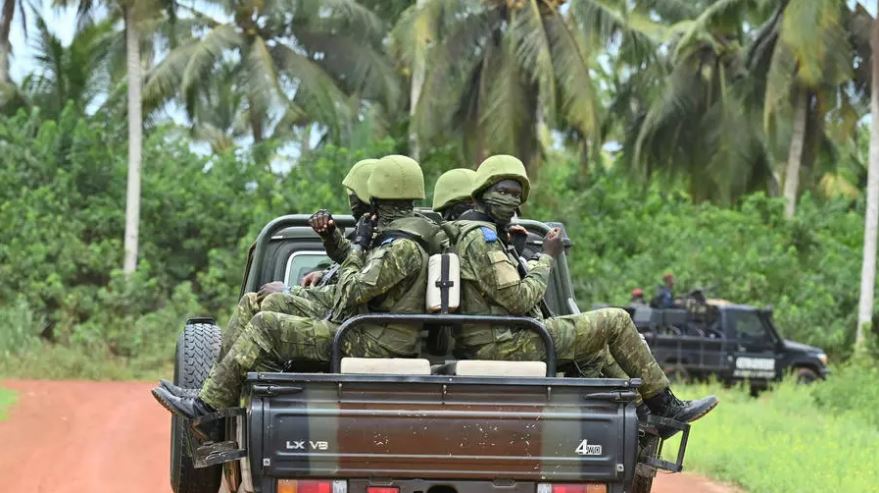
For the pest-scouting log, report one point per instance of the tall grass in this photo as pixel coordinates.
(787, 440)
(7, 399)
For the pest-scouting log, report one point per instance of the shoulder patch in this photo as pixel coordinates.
(388, 241)
(488, 234)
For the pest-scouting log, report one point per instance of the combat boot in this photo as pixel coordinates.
(177, 390)
(185, 407)
(666, 405)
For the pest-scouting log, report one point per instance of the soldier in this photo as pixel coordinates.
(314, 298)
(391, 278)
(451, 193)
(492, 284)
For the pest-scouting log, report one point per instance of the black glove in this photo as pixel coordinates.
(322, 223)
(363, 231)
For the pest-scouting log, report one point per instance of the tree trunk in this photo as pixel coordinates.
(135, 137)
(5, 47)
(419, 70)
(868, 269)
(795, 154)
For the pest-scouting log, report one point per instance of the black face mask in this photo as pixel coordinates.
(501, 207)
(358, 207)
(454, 212)
(391, 210)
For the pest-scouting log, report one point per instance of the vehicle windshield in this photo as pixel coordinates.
(301, 263)
(749, 325)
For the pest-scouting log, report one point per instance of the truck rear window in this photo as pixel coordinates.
(301, 263)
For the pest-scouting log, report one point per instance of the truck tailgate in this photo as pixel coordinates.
(398, 427)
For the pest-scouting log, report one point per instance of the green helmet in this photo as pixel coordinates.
(452, 186)
(357, 179)
(396, 177)
(498, 168)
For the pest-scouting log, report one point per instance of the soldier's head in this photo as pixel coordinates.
(395, 183)
(669, 279)
(500, 187)
(356, 182)
(451, 193)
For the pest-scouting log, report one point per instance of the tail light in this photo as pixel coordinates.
(571, 488)
(312, 486)
(382, 489)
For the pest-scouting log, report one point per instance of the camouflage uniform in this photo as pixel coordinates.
(314, 302)
(392, 278)
(492, 285)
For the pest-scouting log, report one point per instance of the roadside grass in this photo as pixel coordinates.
(57, 362)
(784, 441)
(7, 399)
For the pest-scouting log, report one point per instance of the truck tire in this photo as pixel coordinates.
(805, 375)
(648, 447)
(198, 348)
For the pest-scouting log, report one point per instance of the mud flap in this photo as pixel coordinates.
(204, 446)
(652, 461)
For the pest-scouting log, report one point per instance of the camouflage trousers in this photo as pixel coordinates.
(271, 339)
(605, 340)
(311, 302)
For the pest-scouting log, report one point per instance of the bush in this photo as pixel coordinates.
(785, 442)
(626, 236)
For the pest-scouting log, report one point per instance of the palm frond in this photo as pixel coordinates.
(316, 92)
(814, 32)
(205, 52)
(571, 62)
(357, 66)
(504, 117)
(534, 53)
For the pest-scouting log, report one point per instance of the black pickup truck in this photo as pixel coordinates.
(731, 342)
(416, 425)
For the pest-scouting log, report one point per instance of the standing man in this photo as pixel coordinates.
(392, 277)
(493, 285)
(665, 293)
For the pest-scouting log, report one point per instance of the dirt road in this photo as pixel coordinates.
(73, 436)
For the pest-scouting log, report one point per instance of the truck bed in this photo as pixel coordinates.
(412, 429)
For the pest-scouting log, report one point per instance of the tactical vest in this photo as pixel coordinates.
(475, 300)
(408, 295)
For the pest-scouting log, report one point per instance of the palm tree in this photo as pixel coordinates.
(868, 270)
(135, 15)
(6, 17)
(811, 58)
(74, 74)
(497, 73)
(294, 62)
(682, 108)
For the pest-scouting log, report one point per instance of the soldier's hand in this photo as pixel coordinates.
(552, 243)
(518, 238)
(322, 222)
(269, 288)
(312, 279)
(363, 230)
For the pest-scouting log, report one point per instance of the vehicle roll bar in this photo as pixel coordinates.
(435, 322)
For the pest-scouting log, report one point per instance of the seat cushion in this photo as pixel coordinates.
(386, 366)
(492, 368)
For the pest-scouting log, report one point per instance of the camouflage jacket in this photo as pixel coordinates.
(390, 278)
(492, 284)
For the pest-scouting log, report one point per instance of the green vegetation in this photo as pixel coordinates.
(793, 439)
(70, 312)
(7, 399)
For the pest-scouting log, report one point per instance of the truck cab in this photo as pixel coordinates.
(431, 424)
(730, 341)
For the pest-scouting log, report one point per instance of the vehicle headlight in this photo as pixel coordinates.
(822, 357)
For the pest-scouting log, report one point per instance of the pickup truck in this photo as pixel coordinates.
(431, 424)
(731, 342)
